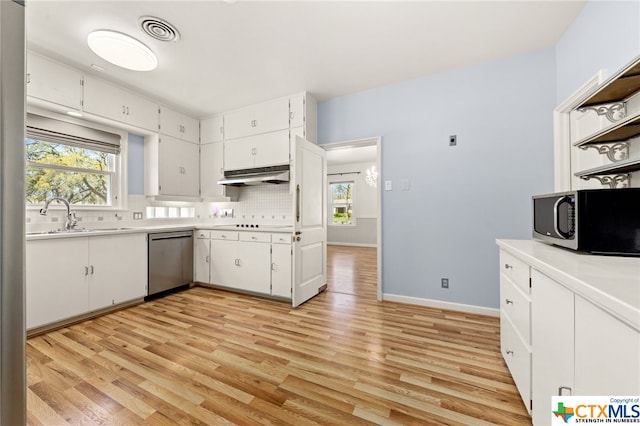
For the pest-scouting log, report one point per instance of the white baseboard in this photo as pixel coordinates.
(472, 309)
(352, 244)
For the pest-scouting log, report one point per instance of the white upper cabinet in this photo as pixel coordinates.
(257, 119)
(110, 101)
(271, 149)
(212, 130)
(53, 82)
(178, 125)
(178, 168)
(211, 170)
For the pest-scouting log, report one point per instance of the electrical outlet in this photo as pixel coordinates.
(453, 140)
(137, 215)
(445, 282)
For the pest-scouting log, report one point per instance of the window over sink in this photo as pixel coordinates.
(78, 163)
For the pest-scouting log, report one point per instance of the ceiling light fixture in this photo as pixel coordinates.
(122, 50)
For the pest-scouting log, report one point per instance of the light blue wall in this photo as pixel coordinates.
(605, 35)
(135, 165)
(461, 198)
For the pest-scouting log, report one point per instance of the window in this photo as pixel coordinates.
(341, 207)
(70, 161)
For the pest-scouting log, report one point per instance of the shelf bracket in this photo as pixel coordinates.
(614, 112)
(615, 152)
(612, 180)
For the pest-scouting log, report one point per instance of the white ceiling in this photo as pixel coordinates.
(233, 54)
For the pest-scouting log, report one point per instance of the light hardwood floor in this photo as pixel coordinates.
(209, 357)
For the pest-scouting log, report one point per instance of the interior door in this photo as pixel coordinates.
(310, 207)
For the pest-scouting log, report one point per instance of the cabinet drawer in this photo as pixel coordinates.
(224, 235)
(281, 238)
(518, 358)
(516, 270)
(255, 237)
(203, 234)
(517, 306)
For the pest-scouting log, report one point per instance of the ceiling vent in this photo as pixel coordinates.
(158, 28)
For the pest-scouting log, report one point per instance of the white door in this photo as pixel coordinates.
(310, 206)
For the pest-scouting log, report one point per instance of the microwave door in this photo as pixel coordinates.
(553, 217)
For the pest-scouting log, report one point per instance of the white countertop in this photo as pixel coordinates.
(150, 229)
(610, 282)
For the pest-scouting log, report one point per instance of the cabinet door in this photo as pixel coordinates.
(178, 125)
(238, 154)
(211, 170)
(202, 257)
(606, 355)
(117, 269)
(254, 267)
(190, 177)
(281, 270)
(269, 149)
(178, 167)
(272, 149)
(110, 101)
(56, 280)
(223, 262)
(170, 165)
(297, 110)
(256, 119)
(53, 82)
(552, 325)
(212, 130)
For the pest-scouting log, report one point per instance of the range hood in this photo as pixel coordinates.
(257, 176)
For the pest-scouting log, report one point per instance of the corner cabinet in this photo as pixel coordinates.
(607, 122)
(585, 332)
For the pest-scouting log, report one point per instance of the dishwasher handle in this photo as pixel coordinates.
(170, 235)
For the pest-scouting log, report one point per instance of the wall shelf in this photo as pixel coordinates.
(619, 167)
(616, 88)
(618, 132)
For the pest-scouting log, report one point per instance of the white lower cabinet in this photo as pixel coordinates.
(258, 262)
(67, 277)
(577, 346)
(281, 268)
(605, 345)
(202, 256)
(552, 333)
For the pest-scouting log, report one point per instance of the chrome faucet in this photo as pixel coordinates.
(71, 216)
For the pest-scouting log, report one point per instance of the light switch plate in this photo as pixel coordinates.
(388, 186)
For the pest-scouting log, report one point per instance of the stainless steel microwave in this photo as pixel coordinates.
(602, 221)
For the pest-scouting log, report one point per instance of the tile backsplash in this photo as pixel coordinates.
(256, 204)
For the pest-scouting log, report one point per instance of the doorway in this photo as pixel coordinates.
(354, 217)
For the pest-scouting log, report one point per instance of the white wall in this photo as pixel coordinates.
(365, 201)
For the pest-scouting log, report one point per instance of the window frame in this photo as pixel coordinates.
(332, 205)
(118, 190)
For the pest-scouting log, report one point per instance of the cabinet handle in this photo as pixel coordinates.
(507, 266)
(561, 388)
(223, 236)
(124, 109)
(91, 269)
(237, 262)
(207, 259)
(28, 78)
(508, 302)
(298, 203)
(291, 116)
(273, 266)
(222, 130)
(509, 352)
(253, 238)
(86, 270)
(127, 110)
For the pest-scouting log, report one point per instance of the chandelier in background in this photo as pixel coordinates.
(372, 177)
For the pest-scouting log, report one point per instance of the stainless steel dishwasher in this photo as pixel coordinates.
(170, 262)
